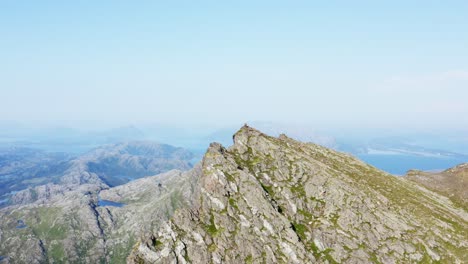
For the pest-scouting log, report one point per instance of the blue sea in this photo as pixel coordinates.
(400, 164)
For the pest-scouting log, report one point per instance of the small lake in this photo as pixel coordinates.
(102, 202)
(20, 224)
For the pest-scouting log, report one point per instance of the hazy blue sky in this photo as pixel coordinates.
(329, 63)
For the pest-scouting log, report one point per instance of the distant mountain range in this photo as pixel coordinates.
(43, 174)
(393, 151)
(21, 168)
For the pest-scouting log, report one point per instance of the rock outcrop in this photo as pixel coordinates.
(277, 200)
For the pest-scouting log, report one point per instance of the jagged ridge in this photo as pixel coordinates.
(276, 200)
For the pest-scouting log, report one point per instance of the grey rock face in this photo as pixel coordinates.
(276, 200)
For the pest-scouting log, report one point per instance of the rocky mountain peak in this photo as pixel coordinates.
(244, 133)
(277, 200)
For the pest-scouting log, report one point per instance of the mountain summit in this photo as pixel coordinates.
(277, 200)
